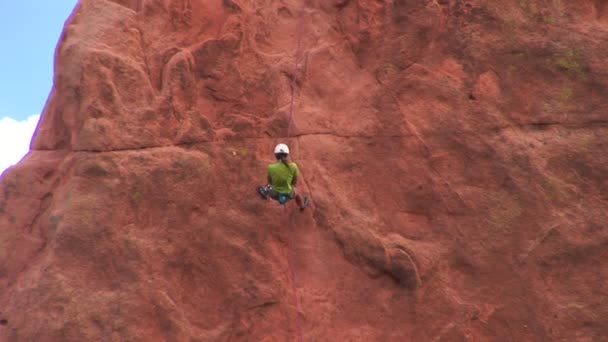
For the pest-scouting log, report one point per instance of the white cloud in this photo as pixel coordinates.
(15, 137)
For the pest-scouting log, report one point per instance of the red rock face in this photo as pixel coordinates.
(455, 153)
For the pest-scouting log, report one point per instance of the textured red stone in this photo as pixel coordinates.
(455, 152)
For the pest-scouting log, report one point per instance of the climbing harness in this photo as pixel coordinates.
(266, 190)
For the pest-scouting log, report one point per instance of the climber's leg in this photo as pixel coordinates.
(264, 191)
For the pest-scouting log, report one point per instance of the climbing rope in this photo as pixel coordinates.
(295, 73)
(290, 257)
(294, 281)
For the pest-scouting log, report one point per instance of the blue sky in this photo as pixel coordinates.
(29, 31)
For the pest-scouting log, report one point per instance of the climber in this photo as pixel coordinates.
(282, 179)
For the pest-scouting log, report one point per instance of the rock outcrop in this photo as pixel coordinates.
(455, 153)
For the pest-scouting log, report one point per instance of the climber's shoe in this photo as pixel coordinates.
(305, 203)
(263, 191)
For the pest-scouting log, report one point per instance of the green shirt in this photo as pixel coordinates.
(282, 176)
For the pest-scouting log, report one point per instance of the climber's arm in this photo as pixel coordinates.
(294, 180)
(296, 173)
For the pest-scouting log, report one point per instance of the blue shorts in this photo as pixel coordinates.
(281, 197)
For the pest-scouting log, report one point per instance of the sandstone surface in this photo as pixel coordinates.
(455, 152)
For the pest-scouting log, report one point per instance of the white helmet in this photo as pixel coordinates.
(281, 148)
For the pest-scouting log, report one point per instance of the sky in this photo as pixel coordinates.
(29, 31)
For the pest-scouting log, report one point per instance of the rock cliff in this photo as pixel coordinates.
(455, 153)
